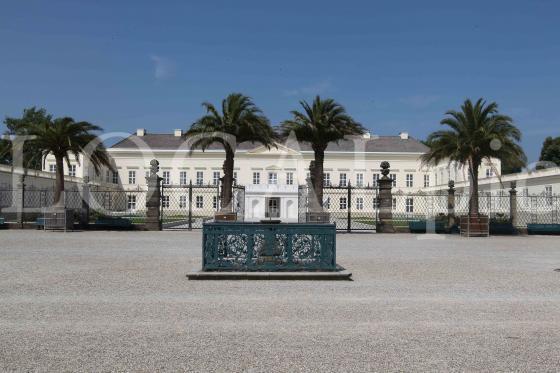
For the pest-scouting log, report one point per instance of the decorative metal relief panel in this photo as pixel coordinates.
(268, 247)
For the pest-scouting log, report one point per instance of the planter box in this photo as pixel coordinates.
(318, 217)
(543, 228)
(59, 219)
(474, 226)
(229, 216)
(421, 226)
(502, 228)
(113, 223)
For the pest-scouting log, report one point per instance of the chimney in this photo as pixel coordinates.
(404, 135)
(140, 132)
(178, 133)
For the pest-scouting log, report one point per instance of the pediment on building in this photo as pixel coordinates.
(276, 149)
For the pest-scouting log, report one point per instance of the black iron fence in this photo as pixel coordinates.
(350, 208)
(130, 204)
(354, 208)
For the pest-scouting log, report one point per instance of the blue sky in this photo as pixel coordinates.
(396, 66)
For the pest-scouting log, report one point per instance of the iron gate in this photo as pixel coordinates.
(189, 206)
(350, 208)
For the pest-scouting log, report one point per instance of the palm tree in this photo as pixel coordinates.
(64, 138)
(322, 122)
(20, 127)
(477, 132)
(240, 120)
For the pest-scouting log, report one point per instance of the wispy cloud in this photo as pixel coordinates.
(164, 68)
(318, 88)
(420, 101)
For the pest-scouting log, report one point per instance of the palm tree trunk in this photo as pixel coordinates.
(473, 201)
(227, 183)
(59, 182)
(317, 173)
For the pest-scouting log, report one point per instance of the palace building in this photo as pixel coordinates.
(271, 176)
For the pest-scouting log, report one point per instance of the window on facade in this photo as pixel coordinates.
(131, 202)
(409, 180)
(52, 168)
(215, 202)
(256, 178)
(272, 178)
(376, 203)
(326, 179)
(342, 203)
(72, 170)
(235, 177)
(359, 180)
(182, 202)
(199, 202)
(548, 193)
(375, 179)
(489, 172)
(359, 203)
(394, 204)
(526, 196)
(115, 177)
(426, 181)
(342, 180)
(166, 176)
(289, 178)
(394, 178)
(216, 178)
(199, 178)
(165, 202)
(409, 205)
(327, 203)
(107, 176)
(183, 177)
(132, 177)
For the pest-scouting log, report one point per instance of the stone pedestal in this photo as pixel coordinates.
(451, 220)
(385, 221)
(84, 213)
(153, 198)
(513, 204)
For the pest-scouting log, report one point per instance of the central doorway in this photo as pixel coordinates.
(272, 207)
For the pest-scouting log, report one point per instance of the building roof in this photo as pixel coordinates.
(381, 144)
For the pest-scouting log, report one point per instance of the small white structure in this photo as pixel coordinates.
(271, 202)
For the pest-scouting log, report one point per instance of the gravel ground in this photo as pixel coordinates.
(112, 301)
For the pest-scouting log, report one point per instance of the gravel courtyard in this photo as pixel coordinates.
(112, 301)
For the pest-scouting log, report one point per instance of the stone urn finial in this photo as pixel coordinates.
(385, 168)
(513, 184)
(154, 167)
(451, 184)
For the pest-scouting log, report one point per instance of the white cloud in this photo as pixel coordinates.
(164, 68)
(420, 101)
(313, 89)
